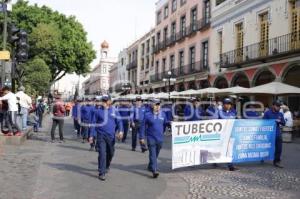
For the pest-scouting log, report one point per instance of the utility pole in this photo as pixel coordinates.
(4, 7)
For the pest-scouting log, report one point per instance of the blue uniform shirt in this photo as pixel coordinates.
(139, 116)
(212, 112)
(107, 122)
(155, 125)
(75, 110)
(230, 114)
(126, 113)
(270, 114)
(193, 113)
(86, 113)
(167, 108)
(139, 113)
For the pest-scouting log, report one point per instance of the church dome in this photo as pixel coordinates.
(104, 44)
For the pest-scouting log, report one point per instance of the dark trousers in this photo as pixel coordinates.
(60, 123)
(67, 112)
(135, 131)
(154, 149)
(77, 126)
(11, 121)
(126, 128)
(85, 129)
(40, 116)
(106, 149)
(278, 149)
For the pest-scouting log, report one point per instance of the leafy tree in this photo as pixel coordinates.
(57, 39)
(37, 75)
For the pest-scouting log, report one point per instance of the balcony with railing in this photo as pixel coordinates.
(131, 65)
(193, 28)
(186, 70)
(264, 51)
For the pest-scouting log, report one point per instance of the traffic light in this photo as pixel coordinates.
(13, 34)
(22, 47)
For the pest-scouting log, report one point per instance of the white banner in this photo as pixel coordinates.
(221, 141)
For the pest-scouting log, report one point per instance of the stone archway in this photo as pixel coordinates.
(291, 76)
(181, 87)
(263, 76)
(192, 85)
(221, 82)
(204, 84)
(240, 79)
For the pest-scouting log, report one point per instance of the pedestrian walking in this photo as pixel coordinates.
(274, 113)
(155, 123)
(58, 118)
(125, 111)
(11, 114)
(68, 107)
(107, 123)
(138, 123)
(75, 110)
(98, 106)
(25, 103)
(86, 119)
(40, 110)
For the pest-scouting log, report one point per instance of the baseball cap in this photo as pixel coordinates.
(106, 98)
(227, 101)
(156, 101)
(138, 98)
(277, 103)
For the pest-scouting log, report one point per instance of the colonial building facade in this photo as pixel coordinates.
(182, 35)
(255, 42)
(146, 62)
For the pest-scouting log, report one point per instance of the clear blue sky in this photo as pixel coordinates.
(117, 21)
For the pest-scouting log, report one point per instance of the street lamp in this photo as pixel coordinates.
(169, 79)
(126, 87)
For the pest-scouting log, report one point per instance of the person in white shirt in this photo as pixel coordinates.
(25, 104)
(11, 116)
(287, 115)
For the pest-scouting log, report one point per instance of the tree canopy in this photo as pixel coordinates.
(58, 40)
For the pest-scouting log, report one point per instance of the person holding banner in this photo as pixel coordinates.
(228, 112)
(274, 113)
(155, 123)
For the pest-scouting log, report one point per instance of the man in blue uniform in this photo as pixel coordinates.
(86, 119)
(194, 112)
(274, 113)
(98, 105)
(228, 112)
(107, 123)
(155, 123)
(138, 123)
(125, 110)
(75, 109)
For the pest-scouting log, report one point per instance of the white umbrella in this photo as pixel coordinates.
(233, 90)
(188, 92)
(273, 88)
(210, 90)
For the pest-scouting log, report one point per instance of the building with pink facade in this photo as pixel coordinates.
(182, 35)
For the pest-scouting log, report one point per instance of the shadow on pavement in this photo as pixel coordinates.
(73, 168)
(136, 169)
(75, 147)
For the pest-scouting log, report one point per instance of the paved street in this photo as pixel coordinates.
(40, 169)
